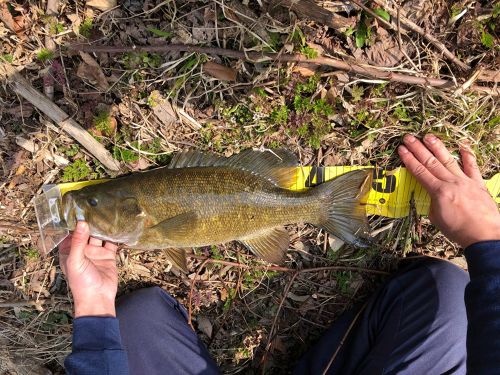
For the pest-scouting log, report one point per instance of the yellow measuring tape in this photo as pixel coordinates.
(389, 196)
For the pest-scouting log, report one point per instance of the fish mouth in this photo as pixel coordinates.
(71, 211)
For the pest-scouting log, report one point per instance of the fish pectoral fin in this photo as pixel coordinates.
(270, 245)
(178, 259)
(174, 228)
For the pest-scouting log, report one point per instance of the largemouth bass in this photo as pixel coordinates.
(202, 199)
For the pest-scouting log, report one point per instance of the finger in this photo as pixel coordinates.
(99, 253)
(470, 164)
(80, 240)
(417, 169)
(426, 158)
(442, 154)
(95, 241)
(65, 245)
(111, 246)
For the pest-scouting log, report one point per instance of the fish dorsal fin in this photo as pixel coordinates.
(193, 158)
(270, 245)
(273, 165)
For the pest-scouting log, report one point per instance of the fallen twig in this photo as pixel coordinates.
(22, 87)
(432, 39)
(310, 9)
(51, 13)
(349, 329)
(364, 70)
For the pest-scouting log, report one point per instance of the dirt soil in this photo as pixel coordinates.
(142, 106)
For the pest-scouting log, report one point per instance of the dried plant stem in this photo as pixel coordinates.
(364, 70)
(52, 5)
(23, 88)
(429, 37)
(349, 329)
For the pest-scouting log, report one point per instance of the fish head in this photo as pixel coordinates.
(112, 214)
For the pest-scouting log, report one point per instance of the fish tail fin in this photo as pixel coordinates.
(344, 214)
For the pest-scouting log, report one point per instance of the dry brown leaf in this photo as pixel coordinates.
(90, 70)
(384, 51)
(162, 108)
(204, 325)
(14, 23)
(219, 71)
(101, 4)
(298, 298)
(306, 69)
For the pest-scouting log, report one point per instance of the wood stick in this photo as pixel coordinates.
(432, 39)
(309, 9)
(48, 82)
(364, 70)
(23, 88)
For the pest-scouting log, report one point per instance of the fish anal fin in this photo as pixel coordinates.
(277, 166)
(178, 259)
(270, 245)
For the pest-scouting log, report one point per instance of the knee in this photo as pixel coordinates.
(139, 301)
(447, 274)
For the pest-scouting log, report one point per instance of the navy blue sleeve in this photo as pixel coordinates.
(482, 299)
(97, 348)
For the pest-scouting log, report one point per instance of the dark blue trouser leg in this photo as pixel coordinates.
(157, 337)
(415, 324)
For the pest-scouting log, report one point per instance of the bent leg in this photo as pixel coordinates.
(414, 324)
(157, 338)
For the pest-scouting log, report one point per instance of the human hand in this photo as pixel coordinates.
(461, 206)
(90, 269)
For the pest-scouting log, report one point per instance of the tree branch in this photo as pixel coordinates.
(364, 70)
(23, 88)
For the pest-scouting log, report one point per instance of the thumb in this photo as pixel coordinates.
(79, 240)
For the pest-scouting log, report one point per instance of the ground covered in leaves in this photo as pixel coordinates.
(143, 106)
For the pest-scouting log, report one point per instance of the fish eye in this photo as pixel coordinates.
(92, 202)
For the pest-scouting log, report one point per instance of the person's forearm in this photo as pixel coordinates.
(97, 347)
(483, 307)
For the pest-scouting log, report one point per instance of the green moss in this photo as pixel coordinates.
(85, 28)
(124, 154)
(45, 55)
(134, 60)
(76, 171)
(309, 52)
(70, 151)
(56, 27)
(279, 115)
(357, 93)
(239, 114)
(32, 253)
(7, 57)
(102, 122)
(160, 33)
(216, 252)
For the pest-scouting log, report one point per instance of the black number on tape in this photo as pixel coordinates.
(390, 181)
(319, 173)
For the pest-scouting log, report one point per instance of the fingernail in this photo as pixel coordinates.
(402, 150)
(431, 138)
(410, 138)
(81, 226)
